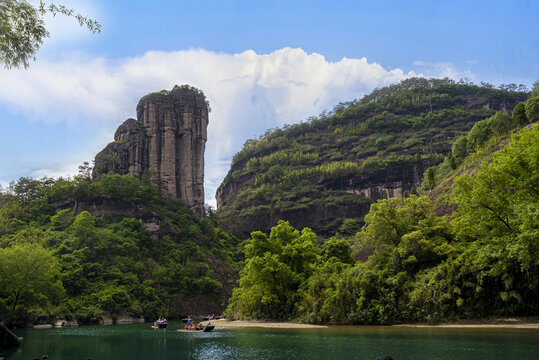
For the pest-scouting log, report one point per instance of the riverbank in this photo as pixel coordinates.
(503, 323)
(507, 323)
(238, 324)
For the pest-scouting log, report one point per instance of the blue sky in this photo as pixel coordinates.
(261, 63)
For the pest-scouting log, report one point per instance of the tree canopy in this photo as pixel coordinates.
(58, 258)
(482, 261)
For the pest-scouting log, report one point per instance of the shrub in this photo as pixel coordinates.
(479, 134)
(501, 123)
(350, 226)
(532, 109)
(519, 114)
(460, 148)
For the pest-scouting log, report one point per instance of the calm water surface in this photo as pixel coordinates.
(139, 341)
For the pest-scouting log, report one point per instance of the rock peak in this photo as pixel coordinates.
(166, 143)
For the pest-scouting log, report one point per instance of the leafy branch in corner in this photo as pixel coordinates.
(92, 25)
(22, 29)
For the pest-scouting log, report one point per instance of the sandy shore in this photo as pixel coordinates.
(509, 323)
(503, 323)
(477, 326)
(237, 324)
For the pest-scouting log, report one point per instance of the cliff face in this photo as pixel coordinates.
(166, 144)
(333, 200)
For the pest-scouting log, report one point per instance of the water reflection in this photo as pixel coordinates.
(139, 341)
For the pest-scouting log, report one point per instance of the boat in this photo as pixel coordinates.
(206, 328)
(160, 324)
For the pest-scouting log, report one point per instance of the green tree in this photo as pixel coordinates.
(532, 109)
(497, 215)
(84, 228)
(11, 214)
(275, 267)
(429, 177)
(22, 29)
(493, 202)
(519, 114)
(501, 123)
(388, 220)
(29, 276)
(339, 249)
(267, 289)
(319, 301)
(535, 88)
(350, 226)
(479, 134)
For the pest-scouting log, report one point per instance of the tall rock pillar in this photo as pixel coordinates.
(167, 142)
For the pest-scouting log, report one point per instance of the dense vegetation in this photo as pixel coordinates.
(81, 248)
(390, 135)
(56, 258)
(481, 261)
(487, 133)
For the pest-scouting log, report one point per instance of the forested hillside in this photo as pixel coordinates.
(326, 172)
(411, 264)
(95, 248)
(89, 249)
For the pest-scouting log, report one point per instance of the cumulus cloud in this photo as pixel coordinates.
(248, 93)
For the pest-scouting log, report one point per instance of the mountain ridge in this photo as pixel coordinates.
(318, 173)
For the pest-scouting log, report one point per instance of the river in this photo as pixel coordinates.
(139, 341)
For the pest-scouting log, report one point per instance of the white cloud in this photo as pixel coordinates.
(443, 69)
(248, 93)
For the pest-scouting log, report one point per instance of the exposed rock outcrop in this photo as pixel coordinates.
(65, 323)
(322, 217)
(166, 143)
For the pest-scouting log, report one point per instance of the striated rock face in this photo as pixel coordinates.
(166, 143)
(323, 217)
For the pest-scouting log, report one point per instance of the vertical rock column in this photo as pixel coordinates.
(176, 128)
(167, 141)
